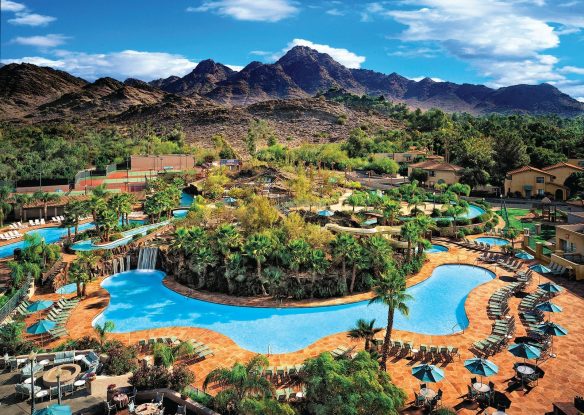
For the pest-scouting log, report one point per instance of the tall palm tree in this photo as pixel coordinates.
(410, 232)
(46, 198)
(391, 210)
(364, 330)
(239, 382)
(258, 247)
(342, 246)
(390, 290)
(425, 225)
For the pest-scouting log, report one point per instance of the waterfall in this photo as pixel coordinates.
(128, 262)
(147, 258)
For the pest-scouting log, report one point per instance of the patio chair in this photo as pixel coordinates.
(181, 410)
(159, 398)
(419, 401)
(131, 407)
(110, 407)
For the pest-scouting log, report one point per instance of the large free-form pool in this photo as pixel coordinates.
(139, 301)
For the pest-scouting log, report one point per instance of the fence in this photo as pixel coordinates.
(11, 304)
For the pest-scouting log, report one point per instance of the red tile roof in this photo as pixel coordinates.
(528, 168)
(435, 165)
(562, 164)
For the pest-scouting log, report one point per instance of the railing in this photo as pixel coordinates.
(11, 304)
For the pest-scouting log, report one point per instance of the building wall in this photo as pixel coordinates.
(162, 162)
(573, 236)
(50, 189)
(562, 173)
(442, 176)
(527, 178)
(576, 162)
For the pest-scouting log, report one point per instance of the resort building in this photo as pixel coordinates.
(528, 181)
(438, 172)
(570, 248)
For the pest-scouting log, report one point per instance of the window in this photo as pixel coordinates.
(432, 173)
(540, 192)
(539, 179)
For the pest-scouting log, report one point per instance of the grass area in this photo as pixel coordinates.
(515, 222)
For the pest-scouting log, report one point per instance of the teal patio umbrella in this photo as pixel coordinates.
(229, 200)
(54, 410)
(524, 255)
(550, 288)
(549, 307)
(541, 269)
(41, 327)
(481, 367)
(552, 329)
(428, 373)
(39, 305)
(525, 350)
(325, 213)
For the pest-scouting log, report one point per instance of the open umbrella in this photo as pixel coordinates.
(524, 255)
(40, 327)
(541, 269)
(325, 212)
(524, 350)
(481, 367)
(428, 373)
(54, 410)
(550, 288)
(552, 329)
(549, 307)
(229, 199)
(39, 305)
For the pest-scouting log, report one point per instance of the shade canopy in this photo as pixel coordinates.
(552, 329)
(325, 212)
(549, 307)
(229, 199)
(481, 367)
(54, 410)
(550, 287)
(39, 305)
(524, 255)
(541, 269)
(40, 327)
(525, 350)
(428, 373)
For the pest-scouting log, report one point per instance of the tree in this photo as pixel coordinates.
(349, 387)
(102, 330)
(410, 232)
(20, 200)
(460, 189)
(391, 210)
(239, 382)
(355, 199)
(364, 330)
(257, 215)
(5, 205)
(45, 198)
(343, 246)
(259, 131)
(390, 290)
(258, 247)
(419, 175)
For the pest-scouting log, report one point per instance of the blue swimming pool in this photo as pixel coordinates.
(139, 301)
(67, 289)
(493, 241)
(186, 199)
(50, 235)
(436, 249)
(180, 213)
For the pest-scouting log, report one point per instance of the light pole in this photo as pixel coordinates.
(58, 374)
(32, 358)
(433, 200)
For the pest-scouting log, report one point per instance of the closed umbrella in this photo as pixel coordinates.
(40, 327)
(54, 410)
(428, 373)
(524, 255)
(325, 213)
(39, 305)
(481, 367)
(552, 329)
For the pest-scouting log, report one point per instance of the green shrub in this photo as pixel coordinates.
(150, 377)
(443, 223)
(462, 221)
(477, 229)
(199, 396)
(436, 213)
(121, 359)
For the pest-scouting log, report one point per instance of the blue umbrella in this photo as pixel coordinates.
(525, 350)
(54, 410)
(549, 307)
(229, 199)
(41, 327)
(550, 287)
(325, 212)
(540, 269)
(481, 367)
(524, 255)
(552, 329)
(39, 305)
(428, 373)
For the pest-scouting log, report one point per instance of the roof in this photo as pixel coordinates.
(435, 165)
(562, 164)
(528, 168)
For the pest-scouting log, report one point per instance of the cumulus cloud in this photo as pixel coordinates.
(46, 41)
(250, 10)
(11, 6)
(341, 55)
(335, 12)
(31, 19)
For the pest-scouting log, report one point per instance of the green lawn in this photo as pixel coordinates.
(515, 222)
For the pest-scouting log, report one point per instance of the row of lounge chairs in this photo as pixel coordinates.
(22, 308)
(495, 232)
(282, 374)
(37, 222)
(557, 269)
(57, 219)
(7, 236)
(480, 246)
(17, 225)
(501, 332)
(423, 352)
(60, 313)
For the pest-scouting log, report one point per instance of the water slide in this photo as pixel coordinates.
(385, 231)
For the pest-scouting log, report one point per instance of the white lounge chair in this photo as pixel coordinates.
(43, 221)
(31, 222)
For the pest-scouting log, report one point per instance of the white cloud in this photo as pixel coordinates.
(236, 68)
(119, 65)
(335, 12)
(11, 6)
(250, 10)
(31, 19)
(46, 41)
(260, 53)
(581, 99)
(341, 55)
(572, 69)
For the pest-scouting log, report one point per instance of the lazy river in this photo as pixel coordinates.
(139, 301)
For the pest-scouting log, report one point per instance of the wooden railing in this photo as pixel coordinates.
(11, 304)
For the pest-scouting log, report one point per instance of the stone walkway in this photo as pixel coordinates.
(564, 376)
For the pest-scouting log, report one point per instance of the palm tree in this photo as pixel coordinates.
(343, 244)
(227, 239)
(391, 210)
(102, 330)
(239, 382)
(20, 200)
(410, 232)
(258, 247)
(425, 224)
(390, 290)
(46, 198)
(364, 330)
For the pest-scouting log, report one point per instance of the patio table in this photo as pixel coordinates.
(525, 370)
(481, 387)
(147, 409)
(427, 393)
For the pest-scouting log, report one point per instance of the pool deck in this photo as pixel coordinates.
(564, 376)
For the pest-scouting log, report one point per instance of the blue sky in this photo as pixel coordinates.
(495, 42)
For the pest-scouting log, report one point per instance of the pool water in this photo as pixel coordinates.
(180, 213)
(139, 301)
(186, 199)
(436, 249)
(67, 289)
(493, 241)
(50, 235)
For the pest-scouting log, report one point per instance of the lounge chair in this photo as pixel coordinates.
(43, 221)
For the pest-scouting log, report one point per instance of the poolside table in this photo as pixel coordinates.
(481, 387)
(147, 409)
(427, 393)
(525, 370)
